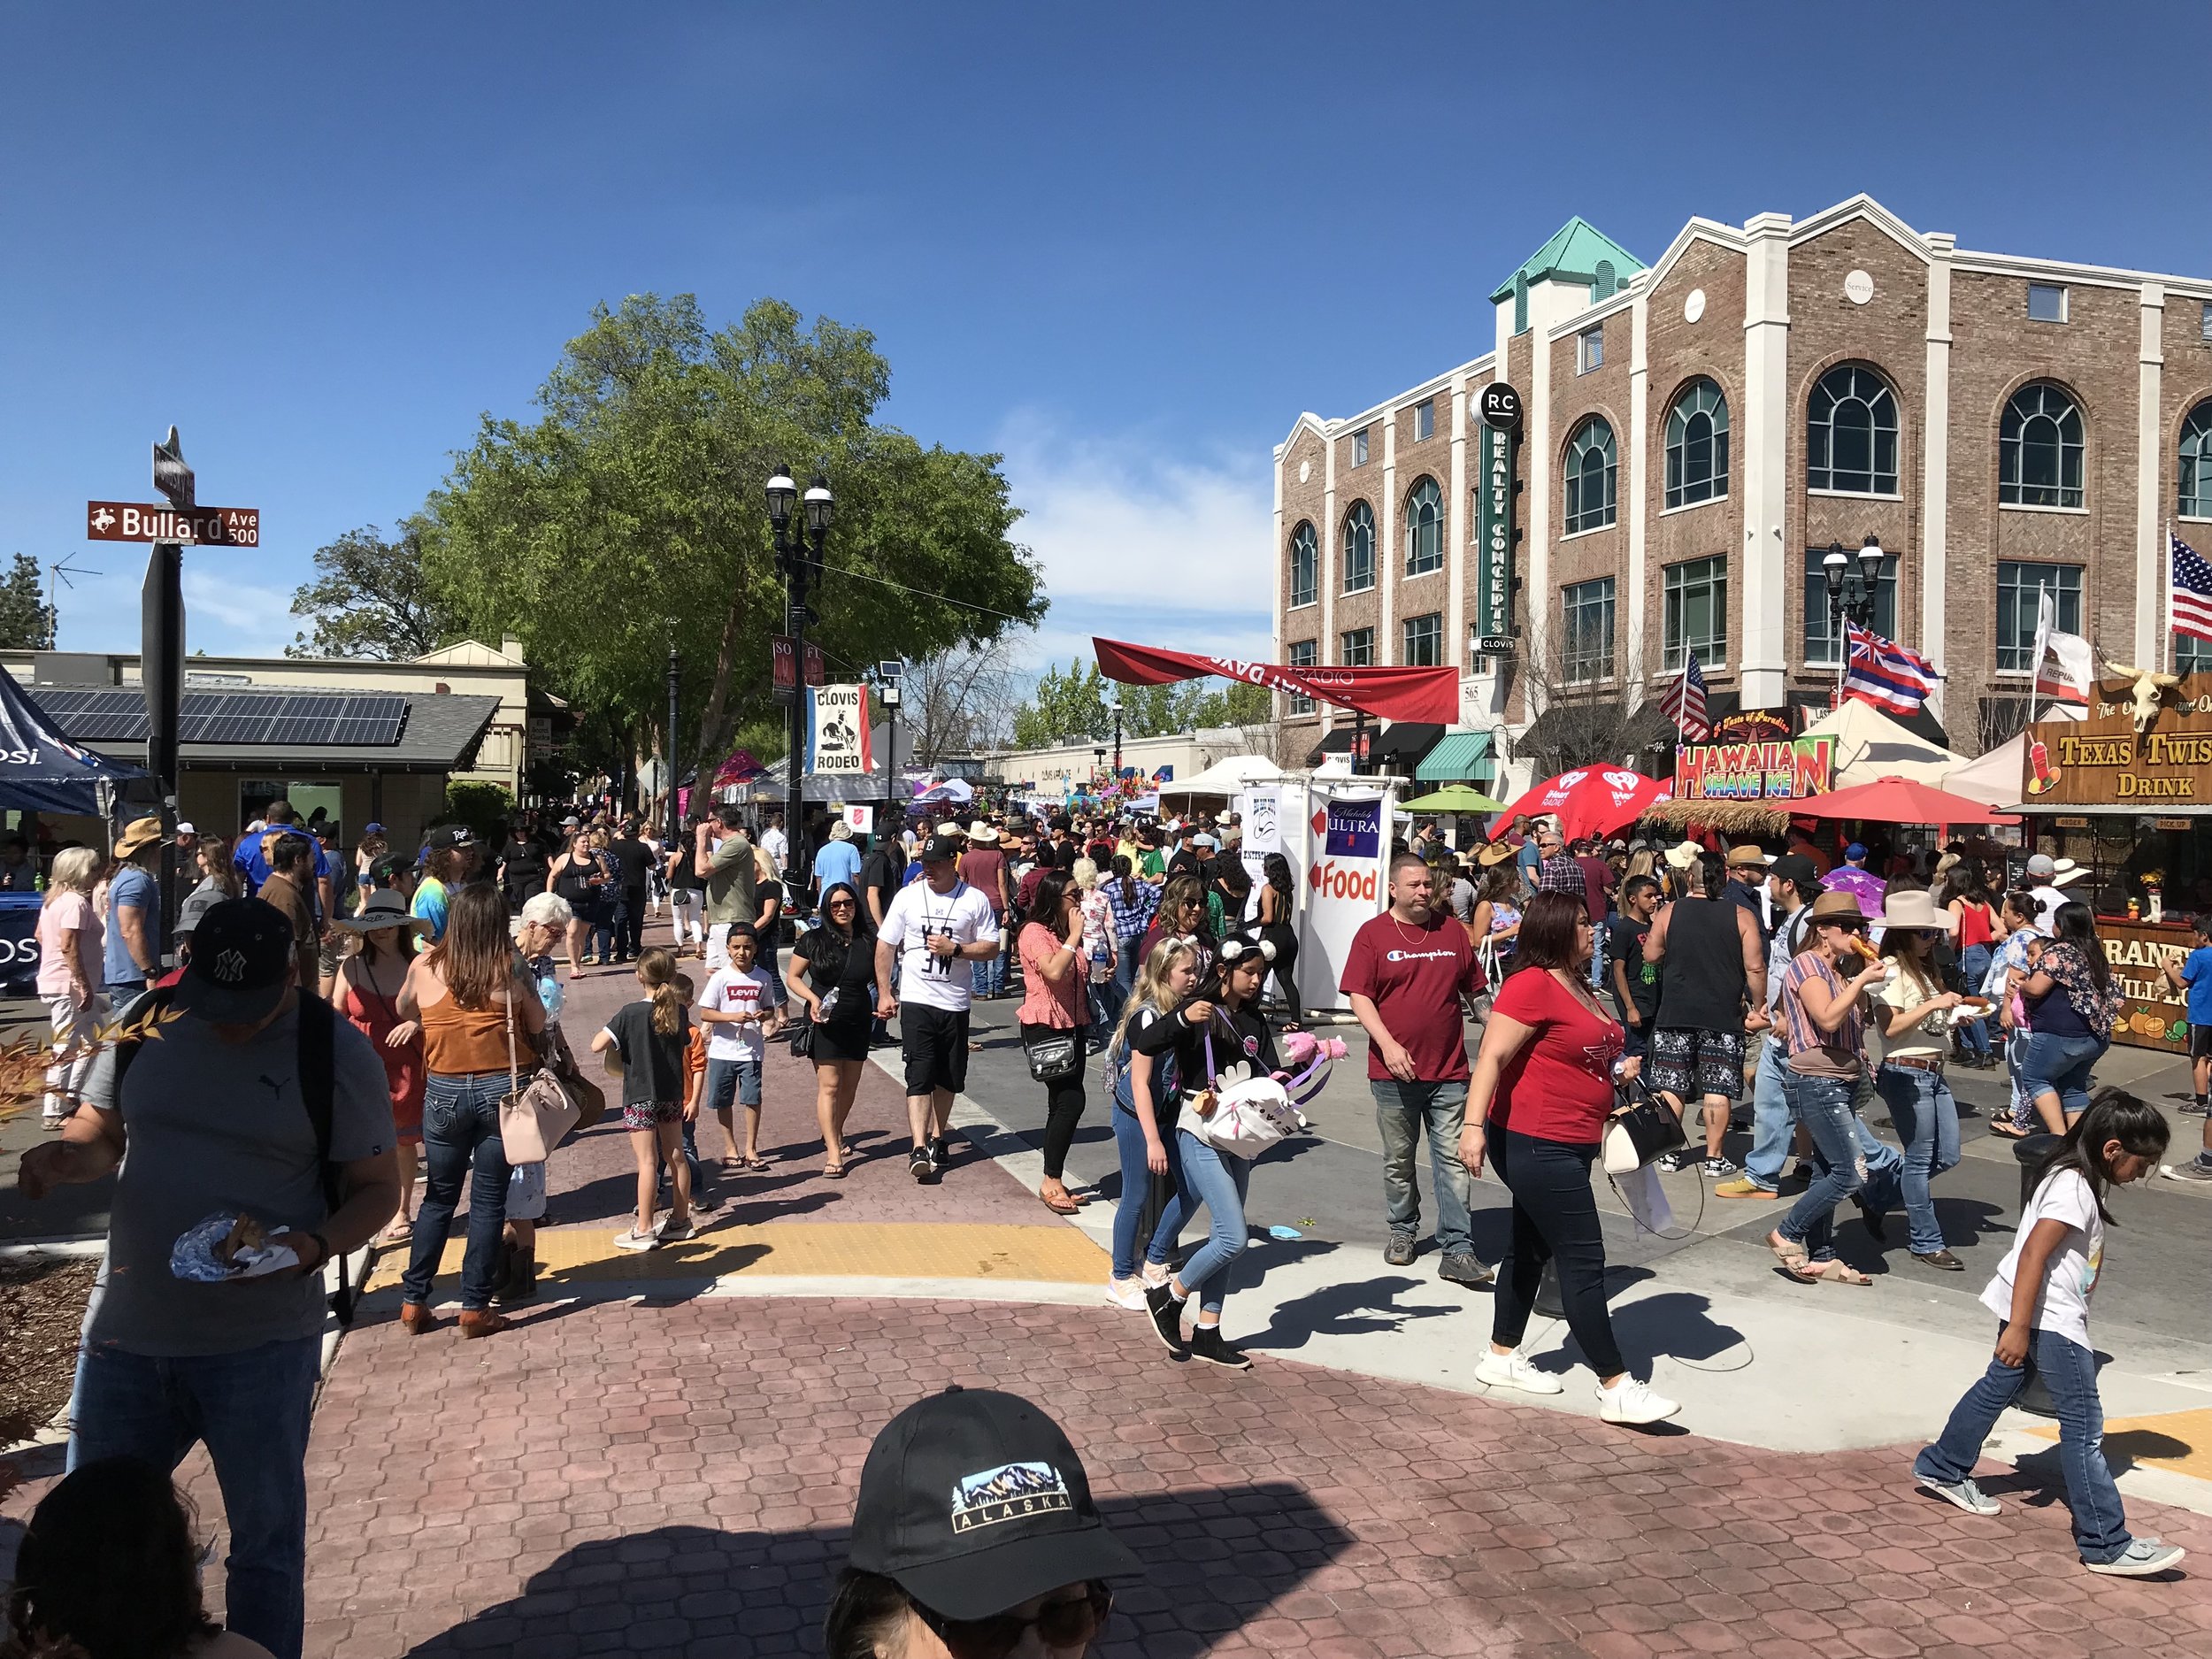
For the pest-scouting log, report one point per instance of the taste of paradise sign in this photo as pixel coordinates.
(2105, 761)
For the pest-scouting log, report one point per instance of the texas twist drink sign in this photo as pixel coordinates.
(2143, 742)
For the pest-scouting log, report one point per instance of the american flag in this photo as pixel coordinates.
(1884, 673)
(1684, 701)
(2192, 597)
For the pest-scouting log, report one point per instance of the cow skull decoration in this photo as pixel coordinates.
(2147, 689)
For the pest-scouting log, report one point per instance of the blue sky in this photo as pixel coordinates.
(1125, 245)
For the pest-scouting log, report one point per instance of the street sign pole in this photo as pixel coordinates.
(161, 669)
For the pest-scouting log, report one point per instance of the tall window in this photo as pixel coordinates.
(1823, 647)
(1305, 566)
(1590, 349)
(2039, 449)
(1590, 470)
(2017, 586)
(1359, 448)
(1697, 446)
(1303, 654)
(1359, 549)
(1423, 640)
(1424, 528)
(1356, 647)
(1851, 432)
(2196, 463)
(1696, 612)
(1587, 611)
(1425, 418)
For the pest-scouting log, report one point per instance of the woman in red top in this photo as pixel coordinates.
(1542, 1090)
(1055, 1003)
(372, 971)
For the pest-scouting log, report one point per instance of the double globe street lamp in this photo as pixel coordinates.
(799, 561)
(1851, 595)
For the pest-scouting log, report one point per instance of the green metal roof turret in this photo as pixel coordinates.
(1578, 251)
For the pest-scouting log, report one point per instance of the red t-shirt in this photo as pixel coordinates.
(1597, 880)
(1559, 1085)
(1415, 976)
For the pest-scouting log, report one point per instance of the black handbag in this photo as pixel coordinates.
(1053, 1057)
(1645, 1129)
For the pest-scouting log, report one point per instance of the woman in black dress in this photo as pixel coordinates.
(570, 876)
(833, 967)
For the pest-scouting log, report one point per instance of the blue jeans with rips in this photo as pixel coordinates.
(251, 1410)
(2070, 1372)
(1404, 1113)
(1217, 1182)
(1847, 1160)
(460, 1134)
(1136, 1187)
(1927, 1119)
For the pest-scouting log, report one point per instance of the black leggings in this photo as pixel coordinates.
(1555, 1217)
(1285, 939)
(1064, 1101)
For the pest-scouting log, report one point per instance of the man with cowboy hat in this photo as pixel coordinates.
(983, 867)
(2048, 878)
(134, 932)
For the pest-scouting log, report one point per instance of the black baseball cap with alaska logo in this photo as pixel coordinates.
(972, 1502)
(241, 960)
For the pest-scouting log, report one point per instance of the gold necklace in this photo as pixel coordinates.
(1401, 926)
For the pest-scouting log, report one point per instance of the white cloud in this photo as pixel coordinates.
(1140, 543)
(223, 616)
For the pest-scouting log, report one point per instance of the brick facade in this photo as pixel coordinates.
(1947, 330)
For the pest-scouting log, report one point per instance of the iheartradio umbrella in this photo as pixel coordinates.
(1591, 801)
(1900, 800)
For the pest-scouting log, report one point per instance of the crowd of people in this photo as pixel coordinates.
(371, 1009)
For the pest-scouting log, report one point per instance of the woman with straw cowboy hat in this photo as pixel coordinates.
(1915, 1013)
(373, 962)
(983, 867)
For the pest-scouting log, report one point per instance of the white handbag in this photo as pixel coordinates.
(1251, 1113)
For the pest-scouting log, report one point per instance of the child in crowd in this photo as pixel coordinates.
(2041, 1294)
(649, 1037)
(741, 1008)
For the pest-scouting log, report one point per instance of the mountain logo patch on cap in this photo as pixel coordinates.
(1012, 1491)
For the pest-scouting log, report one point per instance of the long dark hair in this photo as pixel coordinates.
(1963, 880)
(2113, 1115)
(1045, 903)
(108, 1565)
(828, 950)
(2075, 925)
(1276, 868)
(476, 958)
(1126, 873)
(1546, 939)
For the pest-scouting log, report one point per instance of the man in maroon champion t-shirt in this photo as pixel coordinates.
(1408, 973)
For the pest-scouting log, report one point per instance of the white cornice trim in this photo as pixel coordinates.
(1726, 237)
(2087, 275)
(1590, 316)
(1340, 425)
(1861, 206)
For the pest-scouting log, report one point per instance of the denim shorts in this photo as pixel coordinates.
(731, 1082)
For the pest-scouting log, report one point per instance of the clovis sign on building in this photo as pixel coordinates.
(1787, 769)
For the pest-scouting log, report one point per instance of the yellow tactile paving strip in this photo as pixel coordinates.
(859, 1250)
(2179, 1442)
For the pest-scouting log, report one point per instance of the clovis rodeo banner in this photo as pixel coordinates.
(1779, 769)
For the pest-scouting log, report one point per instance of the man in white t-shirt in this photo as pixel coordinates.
(936, 931)
(2048, 878)
(774, 842)
(738, 1007)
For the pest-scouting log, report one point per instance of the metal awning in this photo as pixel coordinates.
(1458, 758)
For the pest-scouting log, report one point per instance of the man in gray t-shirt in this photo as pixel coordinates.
(211, 1119)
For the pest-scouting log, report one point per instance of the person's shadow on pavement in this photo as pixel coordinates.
(1356, 1308)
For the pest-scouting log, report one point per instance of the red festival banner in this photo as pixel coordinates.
(1388, 693)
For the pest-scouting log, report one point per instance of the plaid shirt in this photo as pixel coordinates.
(1560, 875)
(1131, 918)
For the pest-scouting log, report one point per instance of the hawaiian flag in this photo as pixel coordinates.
(2192, 597)
(1884, 673)
(1684, 701)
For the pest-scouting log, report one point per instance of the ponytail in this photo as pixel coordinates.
(656, 970)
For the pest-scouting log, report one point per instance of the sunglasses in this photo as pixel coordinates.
(840, 904)
(1073, 1622)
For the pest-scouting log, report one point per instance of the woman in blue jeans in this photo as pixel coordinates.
(1144, 1088)
(465, 991)
(1977, 929)
(1825, 1029)
(2071, 1002)
(1219, 1027)
(1916, 1012)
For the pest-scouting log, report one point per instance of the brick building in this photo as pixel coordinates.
(1698, 433)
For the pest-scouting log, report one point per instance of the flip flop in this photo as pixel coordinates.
(2006, 1132)
(1072, 1207)
(833, 1171)
(753, 1166)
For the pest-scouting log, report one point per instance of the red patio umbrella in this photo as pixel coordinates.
(1899, 800)
(1590, 801)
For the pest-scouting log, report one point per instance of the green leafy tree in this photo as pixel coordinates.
(629, 517)
(27, 621)
(1066, 708)
(372, 598)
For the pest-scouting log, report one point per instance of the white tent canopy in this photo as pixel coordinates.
(1871, 745)
(1993, 779)
(1226, 776)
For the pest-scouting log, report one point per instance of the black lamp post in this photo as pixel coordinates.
(1116, 707)
(669, 749)
(1851, 595)
(799, 559)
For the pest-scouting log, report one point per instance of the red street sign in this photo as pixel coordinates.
(780, 654)
(137, 521)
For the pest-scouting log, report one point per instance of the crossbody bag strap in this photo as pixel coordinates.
(514, 1067)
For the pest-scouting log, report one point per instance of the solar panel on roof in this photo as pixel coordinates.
(293, 719)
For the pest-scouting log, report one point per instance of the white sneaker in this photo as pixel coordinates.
(636, 1240)
(1154, 1274)
(1125, 1293)
(1513, 1370)
(1632, 1402)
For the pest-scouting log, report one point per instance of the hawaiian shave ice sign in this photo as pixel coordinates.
(1787, 769)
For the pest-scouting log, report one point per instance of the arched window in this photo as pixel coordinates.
(2196, 463)
(1697, 445)
(1851, 432)
(1590, 475)
(1304, 562)
(1359, 549)
(1424, 528)
(2039, 449)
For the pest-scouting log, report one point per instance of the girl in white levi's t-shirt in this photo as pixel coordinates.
(2041, 1292)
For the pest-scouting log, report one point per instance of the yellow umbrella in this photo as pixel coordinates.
(1453, 797)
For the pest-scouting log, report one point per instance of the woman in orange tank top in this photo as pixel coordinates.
(460, 990)
(371, 973)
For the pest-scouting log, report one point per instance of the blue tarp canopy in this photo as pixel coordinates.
(42, 770)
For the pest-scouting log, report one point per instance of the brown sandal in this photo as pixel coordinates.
(1831, 1271)
(1069, 1204)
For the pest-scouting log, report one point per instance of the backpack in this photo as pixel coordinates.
(319, 1089)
